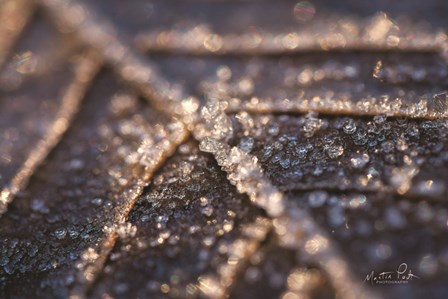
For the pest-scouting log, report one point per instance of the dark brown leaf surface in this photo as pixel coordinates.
(226, 149)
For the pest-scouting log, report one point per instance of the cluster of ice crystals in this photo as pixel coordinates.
(217, 122)
(312, 124)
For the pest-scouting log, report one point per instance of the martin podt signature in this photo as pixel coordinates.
(402, 275)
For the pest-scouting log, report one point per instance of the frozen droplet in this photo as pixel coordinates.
(73, 232)
(335, 151)
(60, 233)
(349, 126)
(381, 251)
(285, 162)
(317, 171)
(379, 119)
(276, 158)
(359, 161)
(267, 153)
(246, 144)
(394, 218)
(364, 228)
(401, 144)
(208, 241)
(428, 265)
(273, 130)
(4, 260)
(204, 201)
(228, 225)
(165, 234)
(360, 138)
(38, 205)
(336, 216)
(97, 201)
(76, 164)
(424, 212)
(317, 199)
(207, 210)
(8, 269)
(431, 187)
(194, 229)
(358, 201)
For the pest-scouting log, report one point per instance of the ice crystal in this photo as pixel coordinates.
(306, 159)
